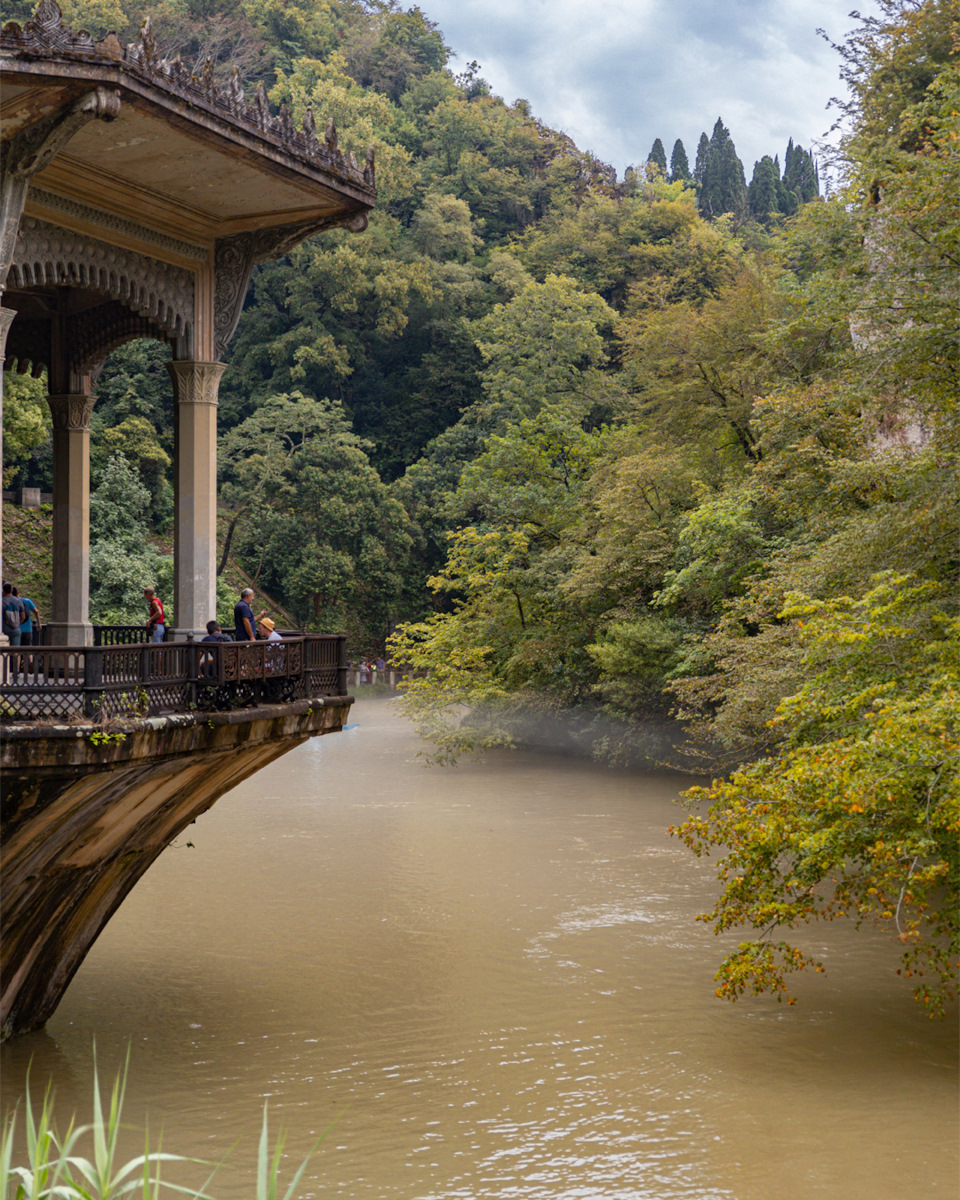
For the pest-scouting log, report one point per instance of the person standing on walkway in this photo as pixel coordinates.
(30, 626)
(243, 619)
(245, 623)
(14, 614)
(156, 625)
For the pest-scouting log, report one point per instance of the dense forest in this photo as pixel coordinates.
(671, 445)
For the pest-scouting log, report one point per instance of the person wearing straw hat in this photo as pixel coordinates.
(266, 630)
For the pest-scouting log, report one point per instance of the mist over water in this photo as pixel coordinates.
(490, 978)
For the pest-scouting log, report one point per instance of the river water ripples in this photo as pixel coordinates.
(489, 980)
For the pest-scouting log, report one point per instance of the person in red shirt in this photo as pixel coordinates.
(156, 626)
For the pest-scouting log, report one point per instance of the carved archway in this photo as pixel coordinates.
(92, 334)
(119, 294)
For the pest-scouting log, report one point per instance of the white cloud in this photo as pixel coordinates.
(615, 74)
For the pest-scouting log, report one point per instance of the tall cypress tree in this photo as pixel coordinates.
(800, 178)
(723, 188)
(764, 192)
(679, 167)
(700, 166)
(659, 156)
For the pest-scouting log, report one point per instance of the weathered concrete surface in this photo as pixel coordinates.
(83, 818)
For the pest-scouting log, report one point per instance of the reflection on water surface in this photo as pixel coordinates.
(490, 978)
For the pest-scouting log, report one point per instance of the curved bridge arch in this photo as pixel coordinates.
(84, 818)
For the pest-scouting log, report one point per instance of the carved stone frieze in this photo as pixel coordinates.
(44, 254)
(195, 382)
(106, 220)
(6, 320)
(71, 412)
(45, 33)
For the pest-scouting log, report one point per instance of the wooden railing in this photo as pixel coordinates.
(127, 635)
(119, 635)
(147, 679)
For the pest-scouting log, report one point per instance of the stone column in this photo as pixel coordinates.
(195, 387)
(69, 616)
(6, 320)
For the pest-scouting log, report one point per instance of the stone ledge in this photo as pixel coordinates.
(90, 747)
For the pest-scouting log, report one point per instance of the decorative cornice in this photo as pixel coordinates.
(46, 35)
(115, 224)
(195, 382)
(71, 412)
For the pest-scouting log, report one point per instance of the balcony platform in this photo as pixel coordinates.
(116, 680)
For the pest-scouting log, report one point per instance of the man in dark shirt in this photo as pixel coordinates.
(243, 619)
(215, 633)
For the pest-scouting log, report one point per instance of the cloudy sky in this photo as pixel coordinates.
(615, 74)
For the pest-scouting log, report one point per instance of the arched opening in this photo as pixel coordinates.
(58, 344)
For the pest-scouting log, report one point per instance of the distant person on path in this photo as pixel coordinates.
(30, 627)
(14, 614)
(156, 625)
(245, 623)
(215, 633)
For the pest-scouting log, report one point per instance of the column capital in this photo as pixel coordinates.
(195, 382)
(6, 320)
(72, 411)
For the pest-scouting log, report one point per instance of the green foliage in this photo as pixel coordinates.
(136, 440)
(658, 157)
(545, 345)
(316, 521)
(721, 187)
(699, 508)
(859, 815)
(679, 166)
(699, 366)
(719, 545)
(122, 560)
(633, 659)
(57, 1167)
(764, 195)
(26, 421)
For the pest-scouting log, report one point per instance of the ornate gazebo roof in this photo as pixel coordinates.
(158, 160)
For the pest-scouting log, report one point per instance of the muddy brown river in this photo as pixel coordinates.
(489, 980)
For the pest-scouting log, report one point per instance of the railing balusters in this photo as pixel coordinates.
(92, 681)
(113, 678)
